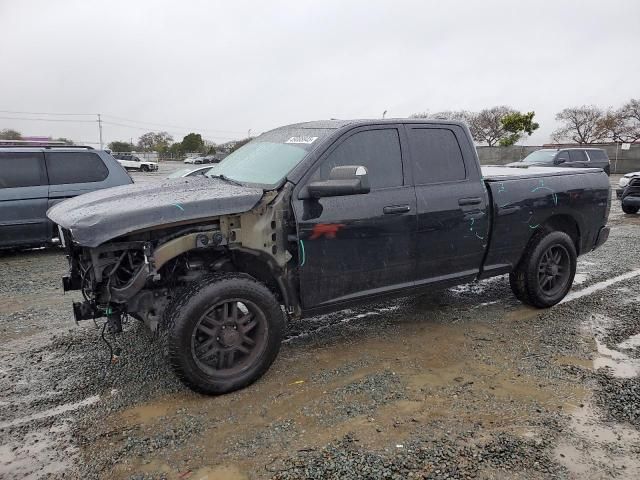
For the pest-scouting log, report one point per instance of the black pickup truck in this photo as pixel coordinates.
(314, 217)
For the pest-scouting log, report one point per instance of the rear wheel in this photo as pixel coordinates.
(629, 209)
(225, 333)
(546, 272)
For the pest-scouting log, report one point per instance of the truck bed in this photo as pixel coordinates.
(525, 199)
(493, 173)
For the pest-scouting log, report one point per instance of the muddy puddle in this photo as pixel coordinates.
(593, 449)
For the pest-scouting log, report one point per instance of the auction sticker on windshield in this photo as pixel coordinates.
(305, 140)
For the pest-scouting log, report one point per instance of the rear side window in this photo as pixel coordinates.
(578, 156)
(597, 155)
(377, 150)
(21, 169)
(75, 167)
(436, 156)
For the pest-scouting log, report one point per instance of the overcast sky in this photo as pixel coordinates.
(222, 68)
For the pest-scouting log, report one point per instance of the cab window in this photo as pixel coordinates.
(377, 150)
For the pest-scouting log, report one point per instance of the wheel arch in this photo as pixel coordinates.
(567, 224)
(264, 269)
(556, 223)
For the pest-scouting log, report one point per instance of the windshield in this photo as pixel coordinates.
(540, 156)
(267, 159)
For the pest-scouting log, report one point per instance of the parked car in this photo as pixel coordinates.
(315, 217)
(195, 160)
(133, 162)
(190, 172)
(630, 199)
(624, 181)
(566, 157)
(32, 179)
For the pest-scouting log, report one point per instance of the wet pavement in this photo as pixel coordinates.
(465, 383)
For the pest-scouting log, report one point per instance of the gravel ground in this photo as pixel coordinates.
(465, 383)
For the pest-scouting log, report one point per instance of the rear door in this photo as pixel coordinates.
(23, 199)
(358, 245)
(74, 173)
(452, 204)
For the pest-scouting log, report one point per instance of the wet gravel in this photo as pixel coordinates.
(447, 458)
(619, 398)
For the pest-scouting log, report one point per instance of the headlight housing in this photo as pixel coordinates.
(624, 181)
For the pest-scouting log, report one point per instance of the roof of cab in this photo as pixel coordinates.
(336, 123)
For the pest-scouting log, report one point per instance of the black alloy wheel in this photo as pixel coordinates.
(554, 270)
(229, 337)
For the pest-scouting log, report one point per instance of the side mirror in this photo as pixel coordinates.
(346, 180)
(558, 161)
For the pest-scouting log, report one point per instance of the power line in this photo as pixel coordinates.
(47, 113)
(170, 126)
(128, 120)
(47, 119)
(106, 122)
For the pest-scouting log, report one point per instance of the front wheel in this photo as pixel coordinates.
(225, 333)
(144, 168)
(629, 209)
(545, 273)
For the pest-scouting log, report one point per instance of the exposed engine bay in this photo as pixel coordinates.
(137, 274)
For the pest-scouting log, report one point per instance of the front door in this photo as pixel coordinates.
(452, 204)
(23, 199)
(358, 245)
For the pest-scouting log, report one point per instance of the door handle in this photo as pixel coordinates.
(463, 202)
(394, 209)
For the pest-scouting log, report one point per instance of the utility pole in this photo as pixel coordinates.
(100, 130)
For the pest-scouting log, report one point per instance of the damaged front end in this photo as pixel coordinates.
(139, 273)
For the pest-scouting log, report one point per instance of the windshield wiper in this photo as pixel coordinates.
(226, 179)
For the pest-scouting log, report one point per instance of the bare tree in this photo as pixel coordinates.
(458, 115)
(615, 127)
(487, 126)
(630, 112)
(580, 125)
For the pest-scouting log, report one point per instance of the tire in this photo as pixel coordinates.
(629, 209)
(545, 273)
(144, 168)
(217, 348)
(515, 282)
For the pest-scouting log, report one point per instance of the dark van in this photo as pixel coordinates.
(32, 179)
